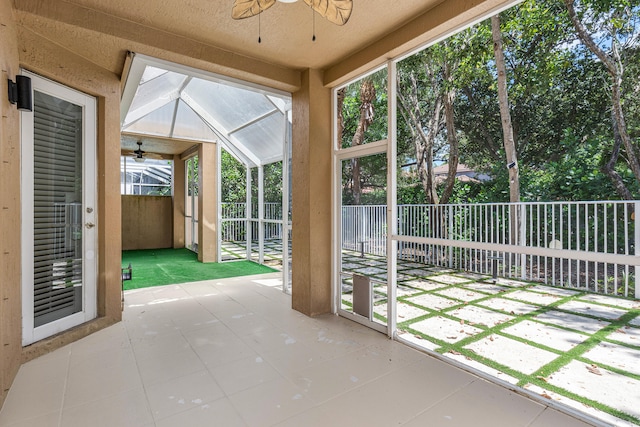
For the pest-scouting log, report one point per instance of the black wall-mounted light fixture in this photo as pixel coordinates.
(20, 93)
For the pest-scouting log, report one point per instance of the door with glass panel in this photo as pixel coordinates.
(362, 256)
(59, 250)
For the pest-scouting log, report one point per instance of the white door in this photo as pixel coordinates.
(59, 259)
(361, 246)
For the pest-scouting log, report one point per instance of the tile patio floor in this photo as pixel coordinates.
(232, 353)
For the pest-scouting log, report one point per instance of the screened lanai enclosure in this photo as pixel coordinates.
(220, 148)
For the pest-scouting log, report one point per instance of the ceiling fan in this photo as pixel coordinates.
(335, 11)
(139, 155)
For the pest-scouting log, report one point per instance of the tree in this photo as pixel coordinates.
(362, 118)
(367, 95)
(615, 20)
(426, 97)
(505, 115)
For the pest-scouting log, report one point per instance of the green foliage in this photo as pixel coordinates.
(373, 176)
(378, 129)
(559, 99)
(234, 181)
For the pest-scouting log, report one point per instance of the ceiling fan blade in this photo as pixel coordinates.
(335, 11)
(248, 8)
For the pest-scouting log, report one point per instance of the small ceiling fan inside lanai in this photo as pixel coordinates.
(139, 155)
(335, 11)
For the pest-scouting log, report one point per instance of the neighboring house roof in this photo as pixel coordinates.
(463, 174)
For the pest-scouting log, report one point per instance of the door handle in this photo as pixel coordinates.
(89, 225)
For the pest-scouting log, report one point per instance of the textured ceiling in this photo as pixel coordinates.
(286, 28)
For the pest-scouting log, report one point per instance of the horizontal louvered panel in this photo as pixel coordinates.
(57, 173)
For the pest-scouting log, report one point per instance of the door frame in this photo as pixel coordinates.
(31, 334)
(371, 149)
(389, 147)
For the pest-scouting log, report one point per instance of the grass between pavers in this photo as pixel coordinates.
(241, 253)
(157, 267)
(538, 377)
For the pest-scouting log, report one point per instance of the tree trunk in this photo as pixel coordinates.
(452, 137)
(340, 101)
(505, 115)
(367, 95)
(609, 167)
(423, 141)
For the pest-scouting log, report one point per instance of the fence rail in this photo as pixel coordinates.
(588, 245)
(234, 222)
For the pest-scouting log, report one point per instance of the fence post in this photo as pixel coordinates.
(636, 240)
(449, 234)
(523, 237)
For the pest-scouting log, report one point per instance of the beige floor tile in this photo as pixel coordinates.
(47, 420)
(270, 339)
(330, 344)
(50, 367)
(27, 400)
(551, 417)
(95, 378)
(113, 337)
(127, 409)
(326, 380)
(180, 394)
(480, 404)
(170, 342)
(270, 403)
(223, 350)
(243, 374)
(162, 367)
(219, 413)
(287, 361)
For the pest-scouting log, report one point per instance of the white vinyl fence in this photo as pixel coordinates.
(234, 222)
(587, 245)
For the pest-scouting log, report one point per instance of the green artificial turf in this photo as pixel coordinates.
(157, 267)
